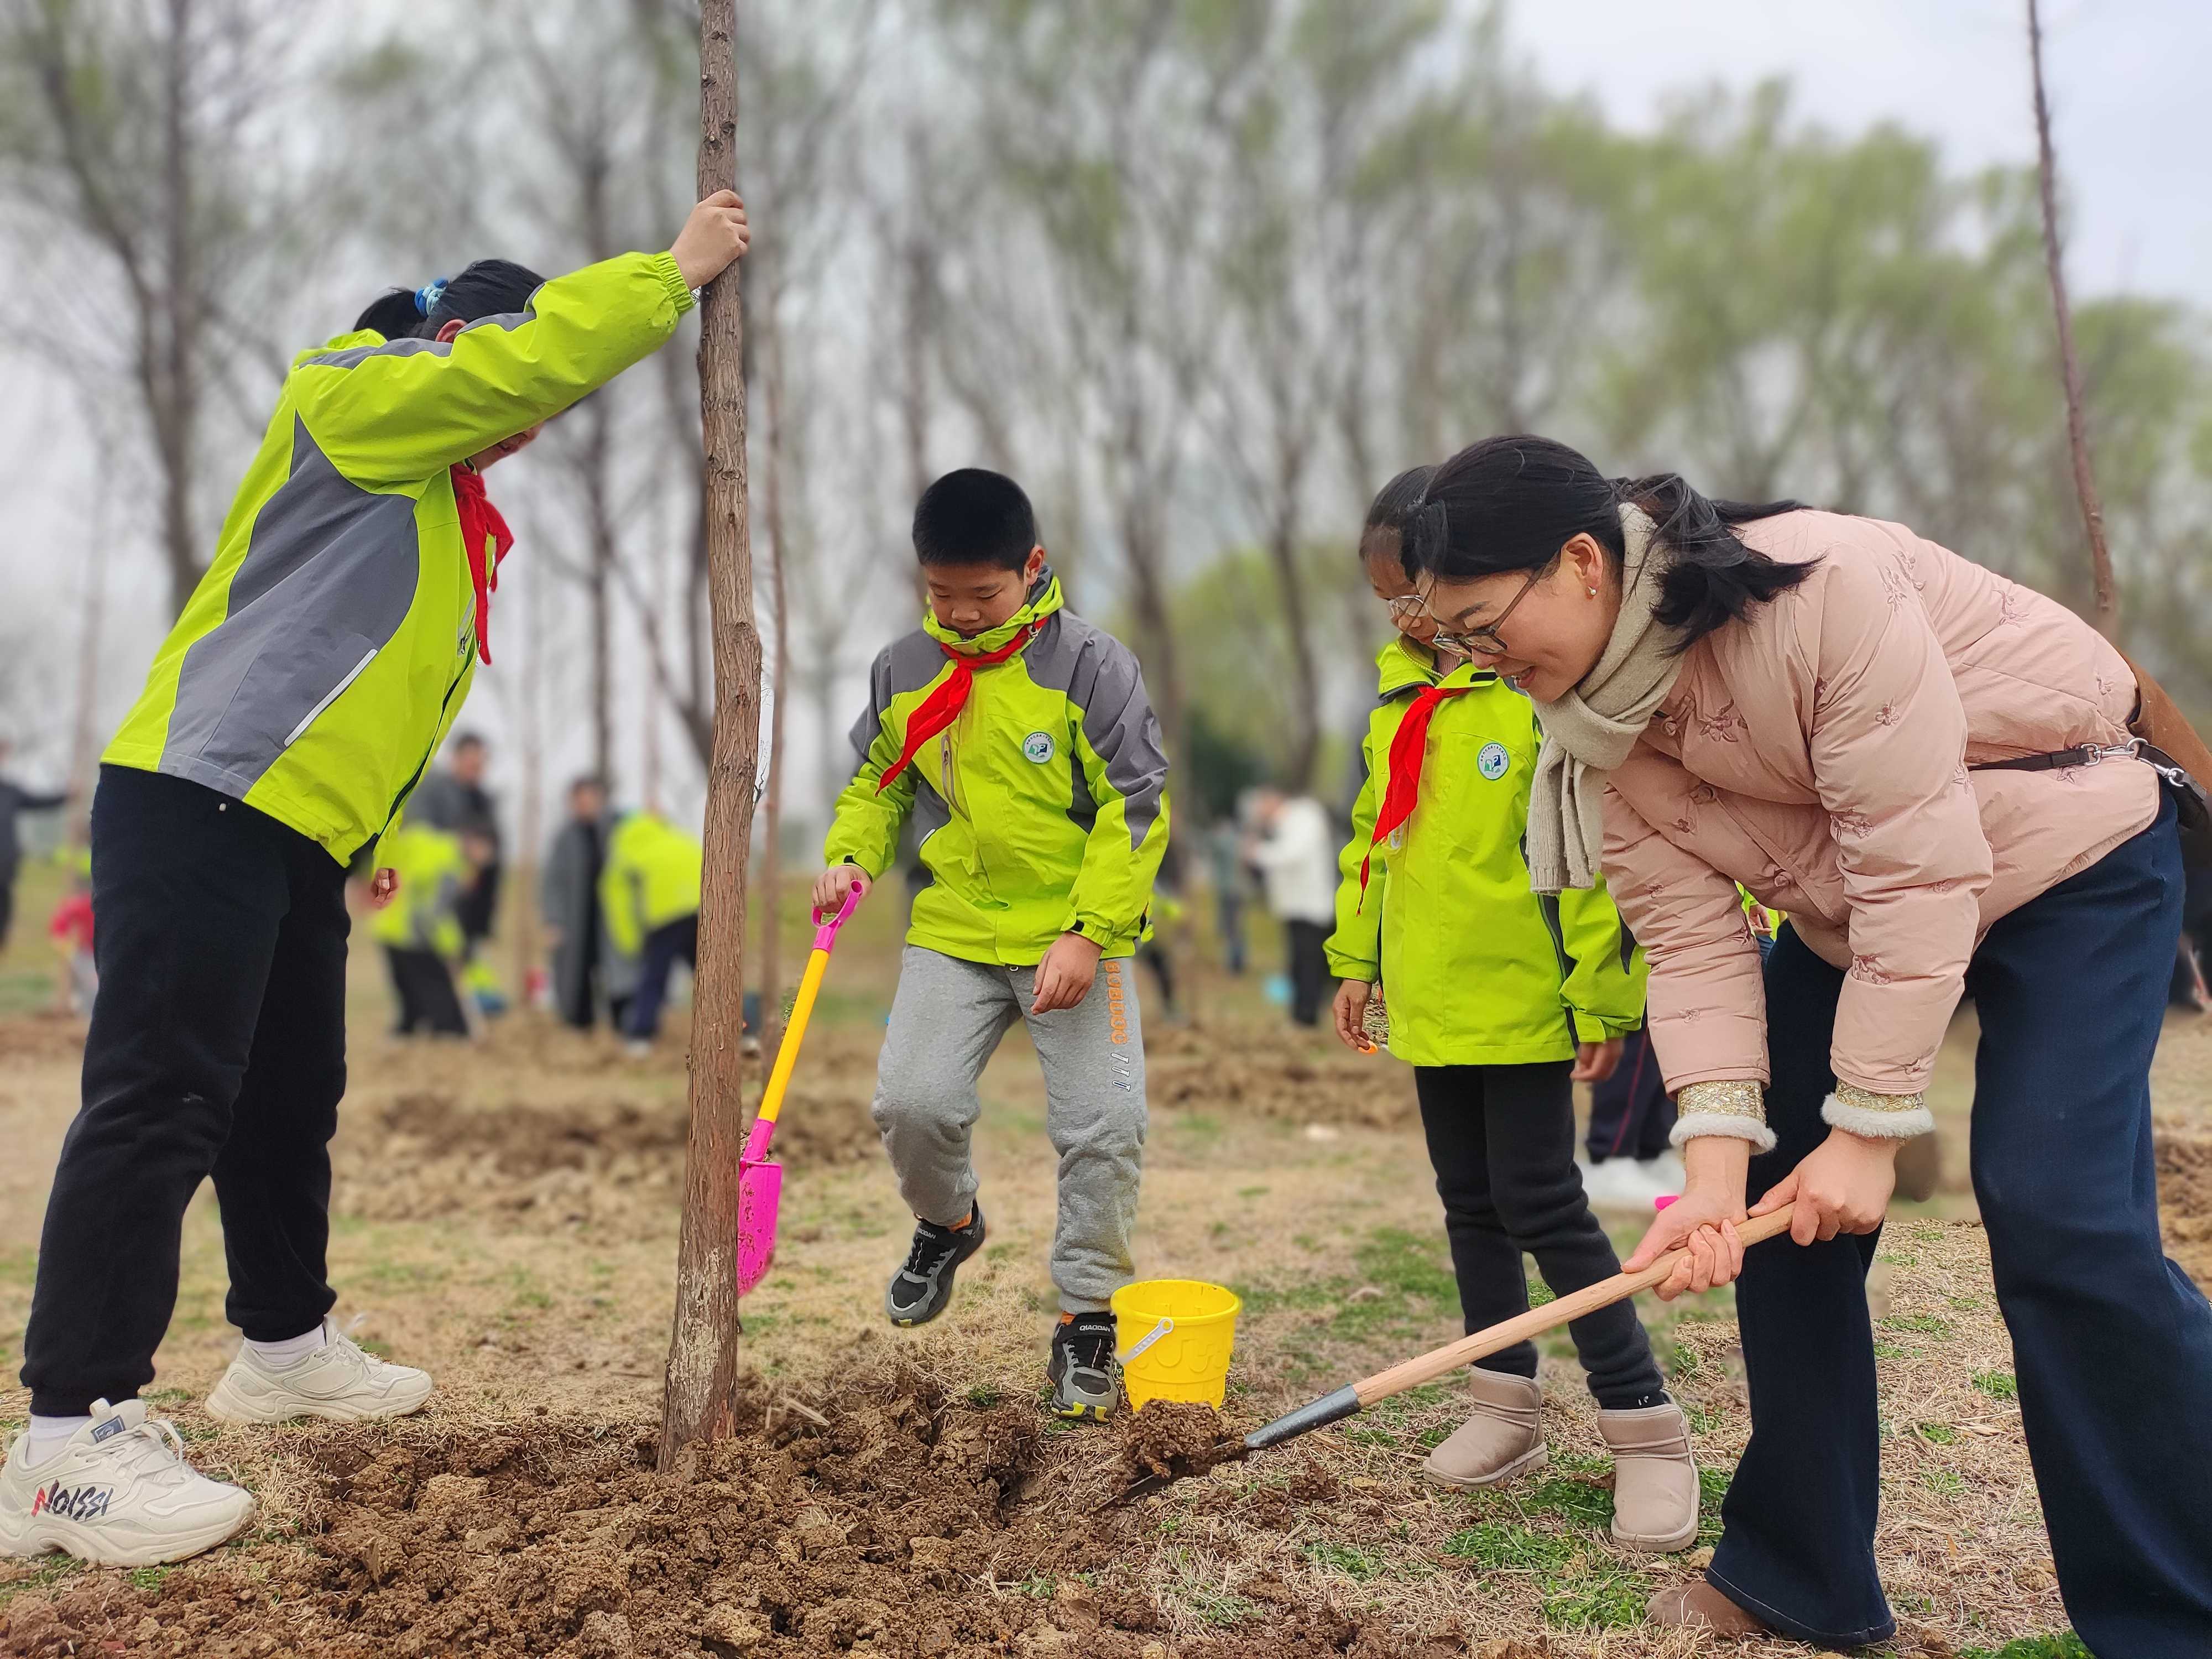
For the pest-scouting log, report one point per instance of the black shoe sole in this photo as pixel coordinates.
(929, 1310)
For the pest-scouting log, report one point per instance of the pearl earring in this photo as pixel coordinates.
(1593, 592)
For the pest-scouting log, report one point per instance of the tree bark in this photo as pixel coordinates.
(701, 1401)
(2107, 617)
(771, 956)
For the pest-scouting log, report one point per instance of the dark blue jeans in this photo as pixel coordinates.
(662, 946)
(2112, 1342)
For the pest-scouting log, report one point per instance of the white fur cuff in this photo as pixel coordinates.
(1733, 1124)
(1908, 1118)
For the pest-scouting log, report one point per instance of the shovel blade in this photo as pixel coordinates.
(760, 1194)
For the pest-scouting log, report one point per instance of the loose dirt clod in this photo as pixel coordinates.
(1175, 1438)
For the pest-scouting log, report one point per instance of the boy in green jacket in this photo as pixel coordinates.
(1020, 738)
(1501, 999)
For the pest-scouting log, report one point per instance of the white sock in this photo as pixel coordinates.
(291, 1350)
(47, 1436)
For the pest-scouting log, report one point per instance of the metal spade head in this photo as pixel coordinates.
(760, 1192)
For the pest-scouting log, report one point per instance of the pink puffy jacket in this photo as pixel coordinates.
(1816, 751)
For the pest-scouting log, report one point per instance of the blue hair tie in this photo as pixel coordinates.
(427, 295)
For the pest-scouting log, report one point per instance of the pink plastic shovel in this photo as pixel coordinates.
(760, 1182)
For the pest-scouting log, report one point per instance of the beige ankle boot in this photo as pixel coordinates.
(1499, 1441)
(1654, 1482)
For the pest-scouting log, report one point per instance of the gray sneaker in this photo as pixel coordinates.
(923, 1285)
(1083, 1369)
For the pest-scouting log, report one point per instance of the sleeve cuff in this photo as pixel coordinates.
(663, 267)
(1594, 1028)
(1734, 1107)
(1878, 1117)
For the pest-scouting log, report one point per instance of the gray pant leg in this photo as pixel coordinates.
(946, 1021)
(1093, 1056)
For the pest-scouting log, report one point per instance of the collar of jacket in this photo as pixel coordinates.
(1044, 599)
(1402, 666)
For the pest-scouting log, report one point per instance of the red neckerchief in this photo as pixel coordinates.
(1409, 748)
(487, 537)
(942, 706)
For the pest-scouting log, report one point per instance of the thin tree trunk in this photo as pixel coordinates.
(771, 957)
(522, 903)
(701, 1401)
(84, 735)
(600, 586)
(176, 406)
(2077, 434)
(1283, 551)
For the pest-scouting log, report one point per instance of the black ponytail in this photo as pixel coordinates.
(1511, 504)
(1394, 504)
(489, 287)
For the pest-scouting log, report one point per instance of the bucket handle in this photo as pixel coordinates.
(1146, 1340)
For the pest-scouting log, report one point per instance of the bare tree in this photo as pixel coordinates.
(136, 143)
(2069, 364)
(701, 1401)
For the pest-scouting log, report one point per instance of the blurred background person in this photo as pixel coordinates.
(14, 800)
(454, 798)
(420, 929)
(568, 900)
(649, 897)
(1293, 846)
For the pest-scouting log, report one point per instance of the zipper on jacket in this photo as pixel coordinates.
(437, 733)
(334, 693)
(1547, 906)
(948, 774)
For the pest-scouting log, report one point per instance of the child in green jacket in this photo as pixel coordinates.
(1501, 1000)
(1020, 738)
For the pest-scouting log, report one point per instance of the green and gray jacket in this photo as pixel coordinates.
(1478, 970)
(318, 666)
(1042, 809)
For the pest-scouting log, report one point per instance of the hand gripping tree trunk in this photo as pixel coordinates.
(702, 1354)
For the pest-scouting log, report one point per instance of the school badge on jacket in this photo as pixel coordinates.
(1492, 761)
(1038, 747)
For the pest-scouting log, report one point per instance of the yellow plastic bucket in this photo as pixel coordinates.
(1176, 1337)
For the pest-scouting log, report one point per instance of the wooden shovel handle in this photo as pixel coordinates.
(1426, 1368)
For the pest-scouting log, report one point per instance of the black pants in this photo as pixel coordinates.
(1308, 970)
(662, 946)
(2112, 1343)
(478, 906)
(217, 1048)
(1502, 1138)
(424, 986)
(7, 900)
(1632, 1113)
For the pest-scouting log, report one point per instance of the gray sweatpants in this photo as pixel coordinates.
(946, 1022)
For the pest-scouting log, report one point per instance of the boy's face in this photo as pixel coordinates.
(974, 598)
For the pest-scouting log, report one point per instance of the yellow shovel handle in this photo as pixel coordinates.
(787, 1052)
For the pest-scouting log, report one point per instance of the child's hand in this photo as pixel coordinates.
(1351, 1013)
(1596, 1061)
(383, 888)
(833, 884)
(1064, 978)
(715, 236)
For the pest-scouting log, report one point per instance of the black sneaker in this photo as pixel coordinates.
(918, 1291)
(1083, 1368)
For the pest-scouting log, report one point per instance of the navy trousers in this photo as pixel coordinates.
(2112, 1343)
(662, 946)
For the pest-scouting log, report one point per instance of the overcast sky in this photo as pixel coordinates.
(2127, 80)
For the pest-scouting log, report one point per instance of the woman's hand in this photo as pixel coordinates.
(715, 236)
(1843, 1186)
(383, 888)
(1351, 1011)
(1596, 1061)
(1703, 1220)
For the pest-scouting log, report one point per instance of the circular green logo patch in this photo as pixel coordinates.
(1037, 747)
(1492, 761)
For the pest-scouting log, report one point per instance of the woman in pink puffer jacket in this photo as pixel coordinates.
(1825, 709)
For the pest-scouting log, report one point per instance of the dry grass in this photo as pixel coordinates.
(506, 1216)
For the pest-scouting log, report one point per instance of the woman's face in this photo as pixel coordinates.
(1387, 576)
(1553, 628)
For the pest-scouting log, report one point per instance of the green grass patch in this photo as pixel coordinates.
(1946, 1483)
(1998, 1385)
(1890, 1351)
(1925, 1324)
(1941, 1434)
(18, 1267)
(2063, 1645)
(1578, 1501)
(1500, 1545)
(1606, 1599)
(1345, 1559)
(1251, 1192)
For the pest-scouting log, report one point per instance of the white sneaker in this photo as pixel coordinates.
(118, 1493)
(338, 1381)
(1620, 1183)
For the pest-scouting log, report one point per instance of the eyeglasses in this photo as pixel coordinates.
(1406, 606)
(1482, 640)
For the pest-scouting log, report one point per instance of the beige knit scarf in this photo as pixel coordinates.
(1591, 730)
